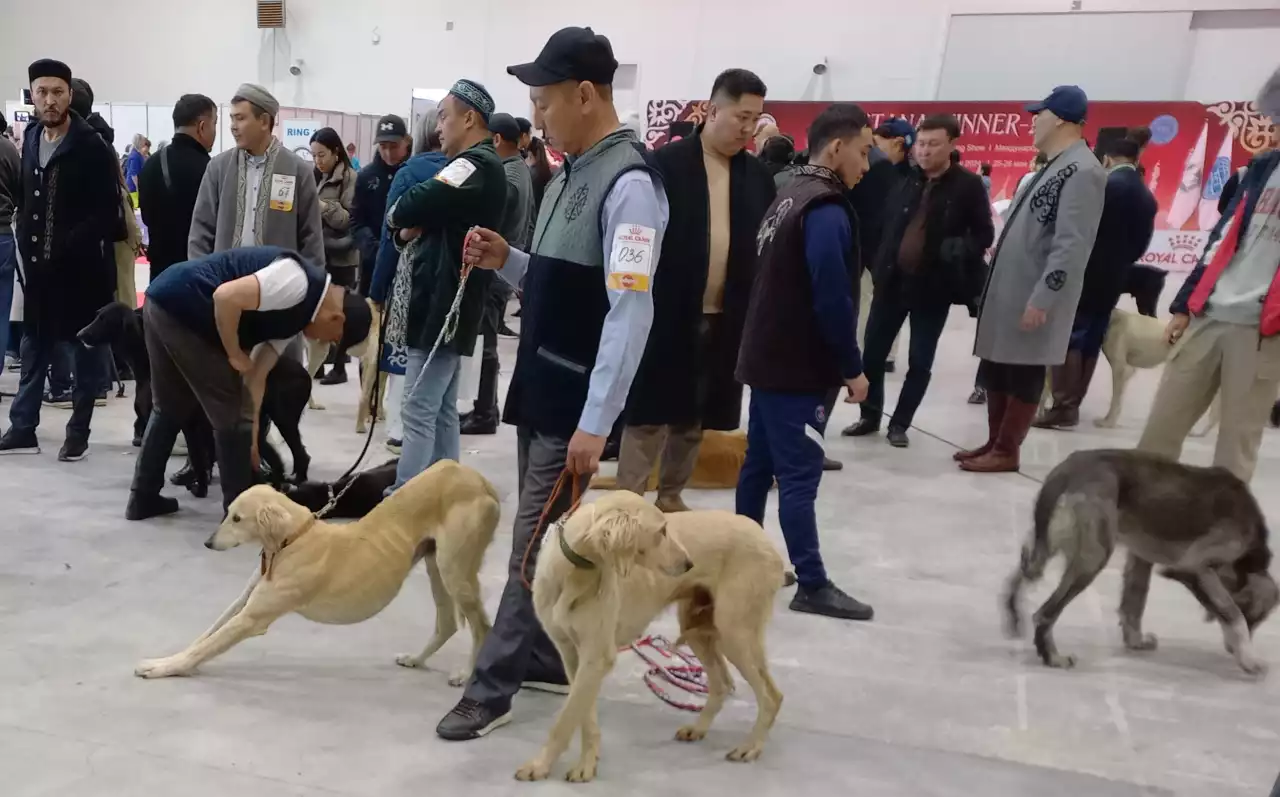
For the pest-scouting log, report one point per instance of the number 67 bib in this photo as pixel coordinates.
(631, 259)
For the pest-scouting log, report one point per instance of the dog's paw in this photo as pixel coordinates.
(1105, 423)
(745, 753)
(315, 405)
(690, 733)
(159, 668)
(410, 661)
(459, 679)
(534, 770)
(582, 772)
(1144, 643)
(1252, 666)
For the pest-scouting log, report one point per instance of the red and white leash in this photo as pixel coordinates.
(669, 666)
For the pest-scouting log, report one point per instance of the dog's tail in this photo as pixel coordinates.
(1036, 553)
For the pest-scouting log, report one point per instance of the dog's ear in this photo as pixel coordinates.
(616, 537)
(272, 526)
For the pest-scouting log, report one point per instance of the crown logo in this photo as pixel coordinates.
(1185, 242)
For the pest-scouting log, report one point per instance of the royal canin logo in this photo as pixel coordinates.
(1185, 242)
(636, 230)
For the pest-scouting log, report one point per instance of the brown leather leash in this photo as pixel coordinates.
(268, 560)
(540, 530)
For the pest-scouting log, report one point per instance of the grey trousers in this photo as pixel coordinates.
(517, 649)
(187, 370)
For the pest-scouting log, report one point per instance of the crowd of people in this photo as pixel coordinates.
(653, 286)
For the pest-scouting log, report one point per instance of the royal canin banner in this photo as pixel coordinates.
(1193, 151)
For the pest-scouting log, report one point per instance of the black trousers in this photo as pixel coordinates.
(495, 308)
(888, 314)
(1024, 382)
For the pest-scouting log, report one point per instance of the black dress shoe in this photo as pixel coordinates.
(471, 719)
(142, 507)
(477, 425)
(832, 464)
(978, 396)
(898, 437)
(862, 428)
(337, 375)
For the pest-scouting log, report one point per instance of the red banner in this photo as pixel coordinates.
(1194, 149)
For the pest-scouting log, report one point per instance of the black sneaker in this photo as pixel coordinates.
(829, 464)
(470, 720)
(830, 601)
(60, 401)
(505, 331)
(978, 396)
(100, 400)
(898, 437)
(144, 507)
(544, 682)
(862, 428)
(16, 442)
(73, 450)
(337, 376)
(394, 445)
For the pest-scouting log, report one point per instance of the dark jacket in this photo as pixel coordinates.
(368, 211)
(1197, 289)
(167, 205)
(1124, 233)
(10, 182)
(419, 168)
(666, 388)
(69, 215)
(957, 231)
(870, 200)
(446, 207)
(784, 344)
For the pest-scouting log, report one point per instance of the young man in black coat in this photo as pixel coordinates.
(369, 208)
(68, 217)
(1124, 233)
(719, 194)
(170, 182)
(937, 226)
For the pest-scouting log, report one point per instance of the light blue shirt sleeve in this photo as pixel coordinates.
(634, 201)
(513, 269)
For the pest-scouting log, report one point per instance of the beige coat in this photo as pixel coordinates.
(337, 193)
(126, 257)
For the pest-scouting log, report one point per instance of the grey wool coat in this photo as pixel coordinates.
(1040, 261)
(216, 223)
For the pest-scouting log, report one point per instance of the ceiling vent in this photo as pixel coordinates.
(270, 13)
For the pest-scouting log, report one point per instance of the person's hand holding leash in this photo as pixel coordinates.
(408, 234)
(1032, 319)
(585, 450)
(240, 361)
(858, 387)
(485, 249)
(1177, 325)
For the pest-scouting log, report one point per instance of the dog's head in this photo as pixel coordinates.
(108, 326)
(1255, 593)
(622, 530)
(259, 515)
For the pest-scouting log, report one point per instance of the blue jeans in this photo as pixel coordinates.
(429, 413)
(8, 255)
(37, 354)
(784, 440)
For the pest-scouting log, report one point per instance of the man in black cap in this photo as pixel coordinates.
(68, 216)
(587, 314)
(517, 229)
(470, 191)
(372, 184)
(215, 328)
(526, 134)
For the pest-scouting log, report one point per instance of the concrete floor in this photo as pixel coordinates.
(927, 700)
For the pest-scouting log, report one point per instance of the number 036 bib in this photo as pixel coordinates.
(631, 258)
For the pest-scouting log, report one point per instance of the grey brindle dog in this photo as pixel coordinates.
(1200, 525)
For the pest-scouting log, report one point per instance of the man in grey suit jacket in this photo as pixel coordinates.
(258, 194)
(1035, 280)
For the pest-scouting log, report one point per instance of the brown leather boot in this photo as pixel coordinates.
(1067, 394)
(1004, 456)
(996, 403)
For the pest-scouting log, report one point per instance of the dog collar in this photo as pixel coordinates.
(268, 560)
(576, 559)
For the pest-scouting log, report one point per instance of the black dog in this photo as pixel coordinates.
(357, 502)
(1145, 284)
(288, 390)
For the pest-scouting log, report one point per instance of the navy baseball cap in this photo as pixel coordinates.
(897, 127)
(1068, 103)
(577, 54)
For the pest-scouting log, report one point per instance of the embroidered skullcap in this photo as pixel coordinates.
(475, 95)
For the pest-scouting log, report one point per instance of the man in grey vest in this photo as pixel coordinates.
(587, 313)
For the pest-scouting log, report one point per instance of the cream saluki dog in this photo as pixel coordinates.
(346, 573)
(607, 571)
(367, 353)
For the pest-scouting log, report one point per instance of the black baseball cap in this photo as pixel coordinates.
(1068, 103)
(576, 54)
(504, 124)
(524, 124)
(391, 128)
